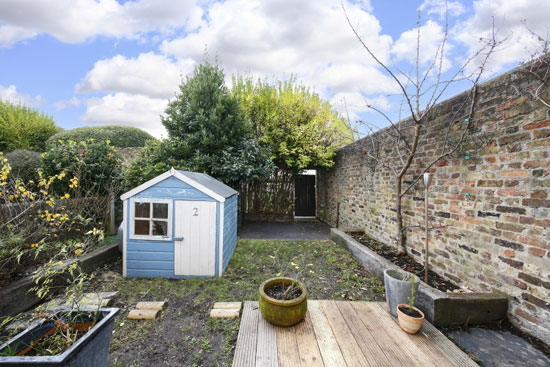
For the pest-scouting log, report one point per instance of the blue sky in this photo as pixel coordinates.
(103, 62)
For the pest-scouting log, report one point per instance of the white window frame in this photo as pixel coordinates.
(134, 236)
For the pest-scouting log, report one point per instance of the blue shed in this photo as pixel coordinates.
(179, 225)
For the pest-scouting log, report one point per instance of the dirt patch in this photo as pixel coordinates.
(185, 335)
(405, 262)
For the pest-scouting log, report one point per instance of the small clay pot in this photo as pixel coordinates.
(279, 312)
(408, 323)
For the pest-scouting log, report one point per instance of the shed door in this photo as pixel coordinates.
(195, 238)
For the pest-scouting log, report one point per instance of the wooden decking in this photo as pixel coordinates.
(340, 334)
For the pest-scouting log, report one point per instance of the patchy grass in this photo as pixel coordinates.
(184, 335)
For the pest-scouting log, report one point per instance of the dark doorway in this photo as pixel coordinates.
(304, 196)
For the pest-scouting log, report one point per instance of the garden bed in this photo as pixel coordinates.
(185, 335)
(405, 262)
(16, 297)
(441, 308)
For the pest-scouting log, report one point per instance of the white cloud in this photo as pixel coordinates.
(11, 94)
(149, 74)
(439, 8)
(127, 109)
(12, 34)
(431, 38)
(76, 21)
(518, 43)
(61, 105)
(311, 40)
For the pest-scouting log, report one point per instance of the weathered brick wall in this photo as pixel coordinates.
(493, 205)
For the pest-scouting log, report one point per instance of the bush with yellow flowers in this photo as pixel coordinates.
(38, 225)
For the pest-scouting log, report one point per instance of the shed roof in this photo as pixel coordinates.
(201, 181)
(210, 183)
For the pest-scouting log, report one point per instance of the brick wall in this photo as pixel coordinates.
(493, 205)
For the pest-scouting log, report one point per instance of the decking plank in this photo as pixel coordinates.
(266, 349)
(287, 347)
(384, 339)
(416, 355)
(367, 342)
(339, 334)
(456, 356)
(307, 344)
(245, 352)
(427, 346)
(348, 345)
(328, 346)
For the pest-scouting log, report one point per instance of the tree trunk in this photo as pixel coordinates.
(401, 249)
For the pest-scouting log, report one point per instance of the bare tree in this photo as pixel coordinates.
(396, 146)
(538, 66)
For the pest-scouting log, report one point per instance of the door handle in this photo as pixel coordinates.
(178, 238)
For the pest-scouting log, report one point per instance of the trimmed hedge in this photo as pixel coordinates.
(119, 136)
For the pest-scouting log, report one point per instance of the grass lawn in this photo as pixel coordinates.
(184, 335)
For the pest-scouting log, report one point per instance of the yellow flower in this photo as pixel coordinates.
(49, 202)
(78, 251)
(34, 245)
(66, 196)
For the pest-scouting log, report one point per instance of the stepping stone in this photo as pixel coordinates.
(222, 313)
(228, 305)
(151, 305)
(143, 314)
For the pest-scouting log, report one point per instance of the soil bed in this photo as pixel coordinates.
(405, 262)
(410, 312)
(282, 292)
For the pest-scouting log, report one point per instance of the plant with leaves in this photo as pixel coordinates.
(302, 130)
(96, 165)
(395, 147)
(207, 132)
(24, 127)
(36, 223)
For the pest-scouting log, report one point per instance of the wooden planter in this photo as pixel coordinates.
(279, 312)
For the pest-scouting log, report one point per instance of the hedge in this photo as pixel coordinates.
(119, 136)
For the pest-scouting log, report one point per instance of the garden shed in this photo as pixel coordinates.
(179, 225)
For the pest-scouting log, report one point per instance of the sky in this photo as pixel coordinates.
(104, 62)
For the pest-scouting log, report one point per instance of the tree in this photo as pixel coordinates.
(24, 128)
(302, 130)
(396, 146)
(207, 132)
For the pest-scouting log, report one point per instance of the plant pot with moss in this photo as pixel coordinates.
(283, 301)
(78, 338)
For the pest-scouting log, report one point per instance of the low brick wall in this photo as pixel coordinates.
(493, 205)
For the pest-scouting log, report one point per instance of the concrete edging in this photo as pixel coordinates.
(16, 298)
(441, 309)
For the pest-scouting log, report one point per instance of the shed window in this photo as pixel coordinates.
(151, 219)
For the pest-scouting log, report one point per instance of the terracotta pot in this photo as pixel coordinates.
(408, 323)
(279, 312)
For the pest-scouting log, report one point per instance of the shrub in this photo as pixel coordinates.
(24, 164)
(96, 165)
(24, 128)
(118, 136)
(156, 157)
(37, 225)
